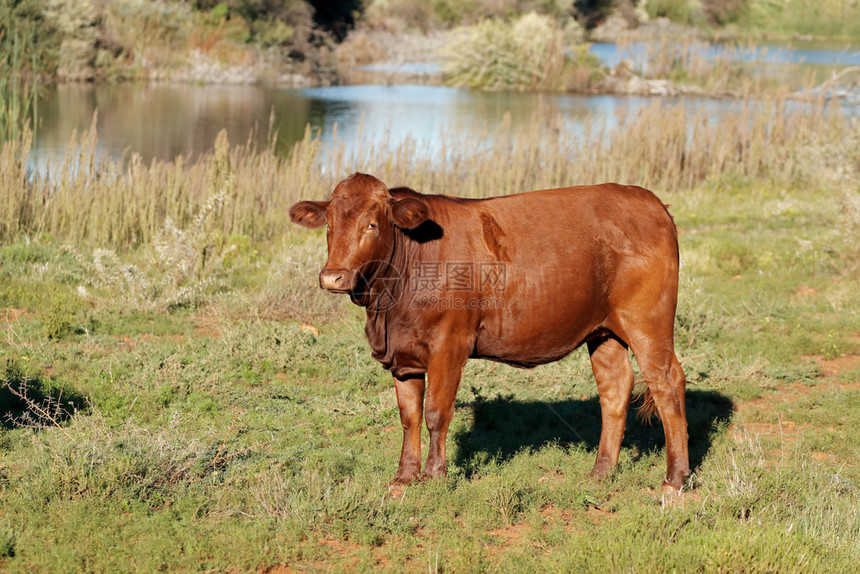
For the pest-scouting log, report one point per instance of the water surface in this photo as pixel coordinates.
(162, 121)
(828, 54)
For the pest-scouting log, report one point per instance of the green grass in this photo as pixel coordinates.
(233, 435)
(820, 19)
(189, 399)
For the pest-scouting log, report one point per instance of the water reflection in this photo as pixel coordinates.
(164, 121)
(424, 113)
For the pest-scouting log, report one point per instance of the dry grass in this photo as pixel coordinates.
(97, 201)
(714, 67)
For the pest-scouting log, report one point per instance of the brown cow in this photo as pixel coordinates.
(524, 280)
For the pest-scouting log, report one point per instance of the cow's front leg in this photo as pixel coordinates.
(443, 375)
(610, 362)
(410, 400)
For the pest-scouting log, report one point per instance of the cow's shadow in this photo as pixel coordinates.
(504, 426)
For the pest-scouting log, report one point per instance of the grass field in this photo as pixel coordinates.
(194, 402)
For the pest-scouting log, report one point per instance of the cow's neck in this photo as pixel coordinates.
(384, 294)
(385, 287)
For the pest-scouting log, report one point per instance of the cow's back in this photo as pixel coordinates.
(572, 258)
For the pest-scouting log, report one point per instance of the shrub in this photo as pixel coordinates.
(683, 11)
(183, 271)
(527, 53)
(76, 22)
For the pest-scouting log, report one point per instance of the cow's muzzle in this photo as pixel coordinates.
(337, 280)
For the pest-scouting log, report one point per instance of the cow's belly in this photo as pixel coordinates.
(537, 330)
(548, 308)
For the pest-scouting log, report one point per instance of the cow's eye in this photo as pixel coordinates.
(371, 226)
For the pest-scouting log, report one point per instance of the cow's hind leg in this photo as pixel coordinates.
(410, 400)
(666, 384)
(613, 373)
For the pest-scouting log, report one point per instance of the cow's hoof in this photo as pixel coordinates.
(601, 471)
(434, 474)
(397, 487)
(407, 475)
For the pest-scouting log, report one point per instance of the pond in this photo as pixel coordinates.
(162, 121)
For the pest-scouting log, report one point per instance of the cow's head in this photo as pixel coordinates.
(361, 217)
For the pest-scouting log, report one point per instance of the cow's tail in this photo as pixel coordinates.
(648, 409)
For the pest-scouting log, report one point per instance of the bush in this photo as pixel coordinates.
(822, 18)
(682, 11)
(76, 22)
(184, 270)
(527, 53)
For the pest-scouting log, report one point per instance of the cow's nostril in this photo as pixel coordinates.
(334, 280)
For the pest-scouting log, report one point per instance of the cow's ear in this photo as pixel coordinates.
(309, 213)
(409, 213)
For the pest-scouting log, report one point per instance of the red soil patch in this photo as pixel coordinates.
(677, 500)
(340, 546)
(504, 538)
(209, 331)
(510, 533)
(833, 367)
(790, 392)
(599, 514)
(786, 431)
(553, 514)
(208, 326)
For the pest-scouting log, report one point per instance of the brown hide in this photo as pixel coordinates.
(522, 279)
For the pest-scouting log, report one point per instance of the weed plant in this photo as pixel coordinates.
(183, 270)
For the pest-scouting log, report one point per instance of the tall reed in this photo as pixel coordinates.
(716, 68)
(18, 91)
(95, 200)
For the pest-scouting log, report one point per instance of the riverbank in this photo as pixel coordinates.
(641, 63)
(230, 43)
